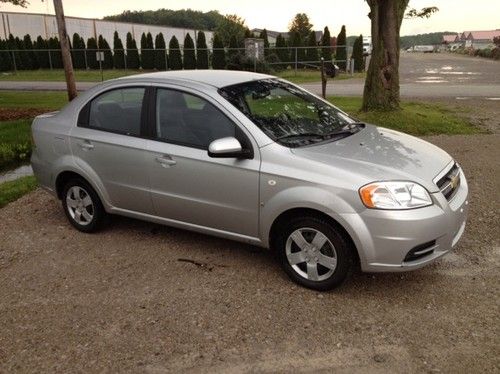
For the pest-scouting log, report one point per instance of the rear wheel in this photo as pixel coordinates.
(314, 253)
(82, 206)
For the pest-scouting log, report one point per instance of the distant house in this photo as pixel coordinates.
(272, 35)
(451, 41)
(481, 39)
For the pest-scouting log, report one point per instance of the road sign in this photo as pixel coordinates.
(99, 56)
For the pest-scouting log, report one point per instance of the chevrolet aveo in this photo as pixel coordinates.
(256, 159)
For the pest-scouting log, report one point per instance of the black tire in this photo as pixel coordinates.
(95, 211)
(341, 252)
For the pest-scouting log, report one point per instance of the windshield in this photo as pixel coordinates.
(286, 113)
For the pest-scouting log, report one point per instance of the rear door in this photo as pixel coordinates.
(109, 142)
(186, 184)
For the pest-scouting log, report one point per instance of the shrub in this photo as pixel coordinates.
(92, 62)
(219, 54)
(160, 53)
(189, 53)
(311, 54)
(42, 54)
(357, 54)
(326, 49)
(174, 54)
(108, 56)
(341, 54)
(55, 53)
(147, 52)
(132, 59)
(201, 51)
(118, 52)
(5, 58)
(282, 51)
(32, 61)
(78, 53)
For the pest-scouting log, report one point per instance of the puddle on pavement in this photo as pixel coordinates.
(11, 175)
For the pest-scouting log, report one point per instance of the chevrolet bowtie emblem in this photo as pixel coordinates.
(454, 181)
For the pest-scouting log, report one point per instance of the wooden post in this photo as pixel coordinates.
(66, 56)
(323, 78)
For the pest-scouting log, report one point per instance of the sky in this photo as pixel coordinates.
(453, 15)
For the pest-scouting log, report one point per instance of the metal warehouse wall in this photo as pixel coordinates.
(20, 24)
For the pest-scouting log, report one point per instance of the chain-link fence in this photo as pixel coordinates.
(263, 60)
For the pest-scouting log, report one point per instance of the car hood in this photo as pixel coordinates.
(377, 153)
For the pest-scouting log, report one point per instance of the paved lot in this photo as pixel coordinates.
(422, 75)
(126, 299)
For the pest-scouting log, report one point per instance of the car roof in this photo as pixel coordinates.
(215, 78)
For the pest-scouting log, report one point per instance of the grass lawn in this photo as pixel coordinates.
(52, 100)
(299, 76)
(13, 190)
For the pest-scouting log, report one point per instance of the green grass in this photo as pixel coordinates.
(416, 118)
(306, 76)
(15, 145)
(57, 75)
(13, 190)
(52, 100)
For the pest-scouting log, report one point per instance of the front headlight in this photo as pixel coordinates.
(394, 195)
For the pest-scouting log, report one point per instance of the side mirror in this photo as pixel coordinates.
(226, 148)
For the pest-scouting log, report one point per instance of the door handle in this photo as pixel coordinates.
(86, 145)
(165, 161)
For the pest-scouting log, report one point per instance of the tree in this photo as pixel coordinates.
(55, 53)
(341, 54)
(282, 51)
(92, 49)
(311, 54)
(189, 53)
(118, 52)
(78, 52)
(108, 56)
(24, 63)
(300, 25)
(234, 57)
(201, 51)
(357, 54)
(174, 54)
(231, 25)
(382, 79)
(5, 57)
(326, 49)
(297, 53)
(16, 58)
(28, 45)
(160, 53)
(42, 53)
(147, 52)
(219, 54)
(263, 35)
(133, 61)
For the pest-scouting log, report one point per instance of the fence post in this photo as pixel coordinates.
(352, 66)
(295, 60)
(85, 58)
(125, 60)
(50, 59)
(323, 78)
(14, 62)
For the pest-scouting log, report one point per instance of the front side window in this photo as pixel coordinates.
(189, 120)
(118, 111)
(288, 114)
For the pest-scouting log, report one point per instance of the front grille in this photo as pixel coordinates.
(450, 182)
(420, 251)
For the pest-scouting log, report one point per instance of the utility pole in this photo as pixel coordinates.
(66, 56)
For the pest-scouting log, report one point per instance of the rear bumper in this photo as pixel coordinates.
(384, 238)
(42, 172)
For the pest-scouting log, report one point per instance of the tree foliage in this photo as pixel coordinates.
(312, 50)
(132, 59)
(201, 51)
(160, 53)
(103, 46)
(42, 54)
(118, 52)
(282, 51)
(219, 54)
(5, 57)
(92, 62)
(326, 49)
(357, 54)
(147, 52)
(231, 26)
(189, 53)
(300, 25)
(186, 18)
(341, 54)
(263, 35)
(31, 59)
(78, 53)
(174, 54)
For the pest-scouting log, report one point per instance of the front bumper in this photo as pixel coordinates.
(384, 238)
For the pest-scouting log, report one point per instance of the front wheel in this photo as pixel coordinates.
(314, 253)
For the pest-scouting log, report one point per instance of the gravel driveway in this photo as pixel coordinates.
(139, 297)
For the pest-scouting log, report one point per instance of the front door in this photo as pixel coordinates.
(189, 186)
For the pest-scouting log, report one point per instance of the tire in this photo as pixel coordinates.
(314, 253)
(82, 206)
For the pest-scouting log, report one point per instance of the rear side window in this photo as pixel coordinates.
(117, 111)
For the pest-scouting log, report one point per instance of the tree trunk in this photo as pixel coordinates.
(382, 80)
(66, 56)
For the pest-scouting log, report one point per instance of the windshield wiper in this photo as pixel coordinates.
(305, 134)
(348, 129)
